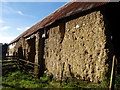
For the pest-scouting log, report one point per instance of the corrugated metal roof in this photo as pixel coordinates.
(68, 9)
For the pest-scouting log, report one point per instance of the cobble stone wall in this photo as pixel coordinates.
(78, 50)
(53, 52)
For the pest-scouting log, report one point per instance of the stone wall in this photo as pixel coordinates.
(10, 51)
(77, 48)
(30, 49)
(23, 48)
(53, 52)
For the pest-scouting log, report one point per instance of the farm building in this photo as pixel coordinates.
(76, 41)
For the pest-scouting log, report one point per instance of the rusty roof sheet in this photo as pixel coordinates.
(68, 9)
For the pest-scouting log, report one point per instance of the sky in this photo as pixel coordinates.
(16, 17)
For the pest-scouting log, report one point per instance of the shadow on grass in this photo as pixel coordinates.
(6, 85)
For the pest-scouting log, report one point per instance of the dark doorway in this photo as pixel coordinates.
(20, 52)
(113, 18)
(4, 48)
(31, 54)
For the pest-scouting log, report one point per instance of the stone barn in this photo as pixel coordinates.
(76, 41)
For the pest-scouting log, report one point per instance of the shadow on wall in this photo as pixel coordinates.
(113, 17)
(3, 50)
(20, 52)
(41, 53)
(32, 52)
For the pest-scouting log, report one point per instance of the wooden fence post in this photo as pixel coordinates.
(112, 78)
(18, 62)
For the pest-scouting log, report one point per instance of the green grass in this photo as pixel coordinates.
(117, 81)
(17, 79)
(117, 78)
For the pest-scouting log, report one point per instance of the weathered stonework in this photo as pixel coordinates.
(73, 49)
(30, 49)
(24, 47)
(81, 53)
(53, 52)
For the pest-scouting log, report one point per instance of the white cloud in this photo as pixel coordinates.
(1, 21)
(27, 28)
(6, 39)
(2, 28)
(8, 10)
(19, 29)
(23, 14)
(20, 13)
(22, 28)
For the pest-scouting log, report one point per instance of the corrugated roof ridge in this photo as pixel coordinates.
(58, 15)
(38, 22)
